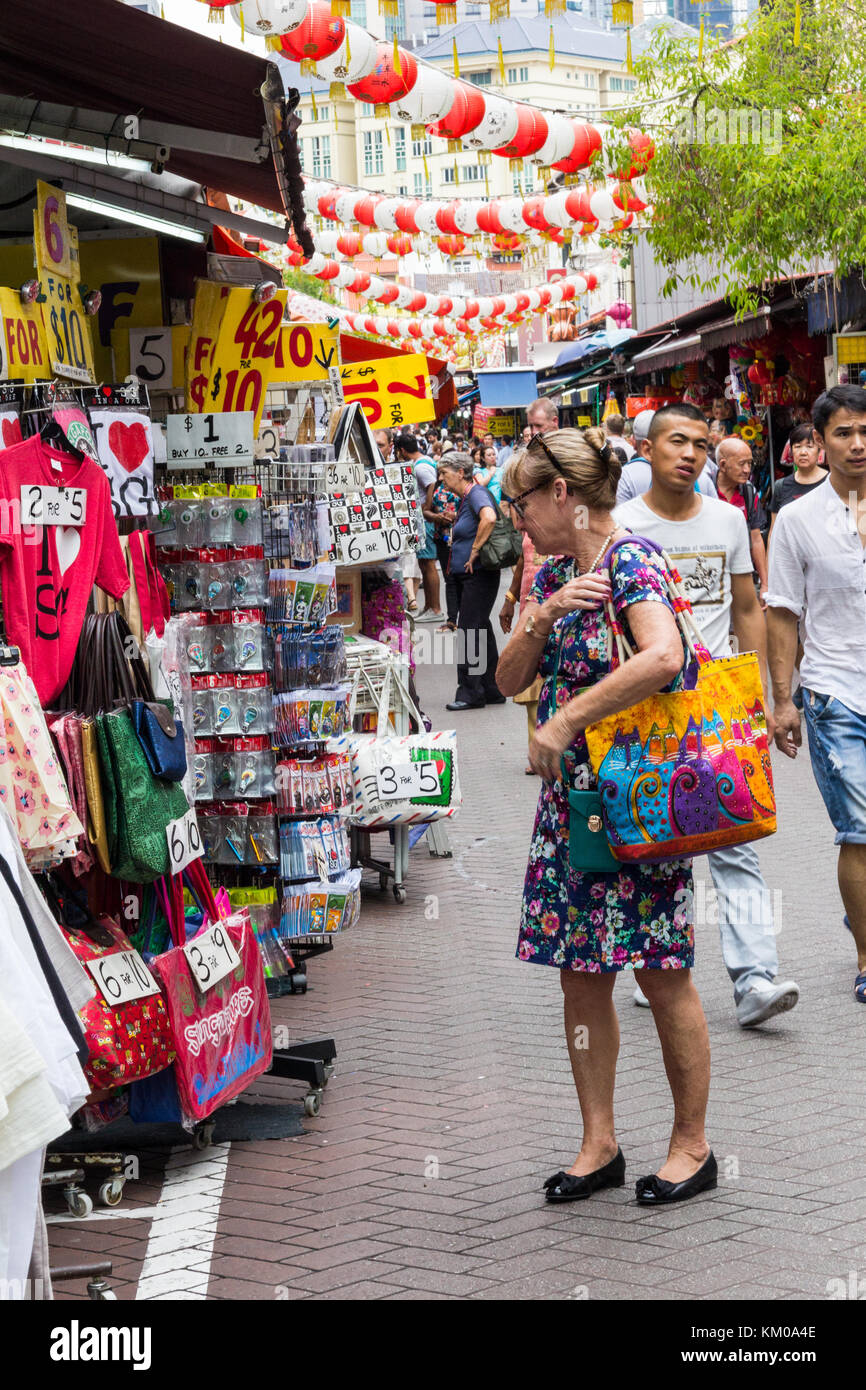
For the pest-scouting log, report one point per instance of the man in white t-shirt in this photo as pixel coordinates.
(708, 542)
(636, 477)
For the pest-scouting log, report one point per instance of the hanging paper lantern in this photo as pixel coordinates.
(430, 97)
(364, 209)
(529, 136)
(386, 82)
(590, 280)
(388, 295)
(522, 302)
(326, 205)
(317, 36)
(533, 214)
(354, 59)
(439, 328)
(267, 19)
(443, 307)
(445, 215)
(586, 141)
(451, 246)
(399, 244)
(393, 328)
(558, 143)
(622, 224)
(509, 303)
(511, 214)
(425, 218)
(554, 291)
(316, 263)
(643, 151)
(471, 311)
(384, 214)
(375, 244)
(499, 306)
(497, 126)
(466, 216)
(326, 242)
(296, 258)
(349, 244)
(602, 206)
(345, 276)
(516, 317)
(626, 199)
(463, 115)
(415, 329)
(507, 241)
(360, 284)
(405, 215)
(344, 206)
(555, 210)
(427, 345)
(328, 271)
(418, 303)
(488, 218)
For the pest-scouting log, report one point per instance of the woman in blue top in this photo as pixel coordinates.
(591, 925)
(476, 588)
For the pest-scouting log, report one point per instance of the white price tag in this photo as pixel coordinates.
(372, 545)
(224, 439)
(346, 476)
(336, 380)
(151, 357)
(211, 956)
(53, 506)
(397, 781)
(184, 841)
(122, 976)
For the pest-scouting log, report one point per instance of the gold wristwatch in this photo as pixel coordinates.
(529, 629)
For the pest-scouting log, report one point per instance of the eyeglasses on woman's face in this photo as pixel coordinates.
(517, 502)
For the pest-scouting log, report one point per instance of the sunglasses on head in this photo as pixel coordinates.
(517, 502)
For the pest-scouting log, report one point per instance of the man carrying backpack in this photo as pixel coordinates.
(734, 459)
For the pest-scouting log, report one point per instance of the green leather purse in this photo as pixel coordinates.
(588, 848)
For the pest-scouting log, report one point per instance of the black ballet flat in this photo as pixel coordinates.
(654, 1191)
(566, 1187)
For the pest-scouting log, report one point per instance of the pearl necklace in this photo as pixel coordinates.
(606, 543)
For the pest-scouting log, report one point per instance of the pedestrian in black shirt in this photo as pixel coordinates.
(807, 474)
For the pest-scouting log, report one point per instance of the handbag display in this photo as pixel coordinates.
(138, 806)
(687, 772)
(127, 1041)
(97, 830)
(222, 1035)
(403, 779)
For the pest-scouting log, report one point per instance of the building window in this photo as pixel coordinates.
(422, 188)
(480, 79)
(616, 84)
(422, 147)
(523, 179)
(471, 173)
(321, 156)
(359, 13)
(322, 113)
(589, 79)
(366, 108)
(400, 149)
(402, 190)
(374, 159)
(449, 174)
(518, 74)
(395, 25)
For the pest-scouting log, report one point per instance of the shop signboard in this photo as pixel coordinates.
(23, 348)
(306, 351)
(223, 439)
(391, 391)
(501, 427)
(232, 349)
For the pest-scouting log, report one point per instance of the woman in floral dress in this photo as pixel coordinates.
(592, 925)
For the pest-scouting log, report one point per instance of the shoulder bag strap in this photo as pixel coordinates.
(685, 619)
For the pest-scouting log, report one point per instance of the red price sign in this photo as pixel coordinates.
(232, 349)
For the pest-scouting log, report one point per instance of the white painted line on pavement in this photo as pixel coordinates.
(193, 1184)
(128, 1214)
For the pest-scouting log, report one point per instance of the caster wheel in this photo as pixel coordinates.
(111, 1191)
(79, 1203)
(383, 883)
(299, 983)
(399, 893)
(312, 1103)
(202, 1136)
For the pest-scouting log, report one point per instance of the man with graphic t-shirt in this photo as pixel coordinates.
(708, 543)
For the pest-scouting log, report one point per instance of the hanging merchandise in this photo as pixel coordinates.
(124, 446)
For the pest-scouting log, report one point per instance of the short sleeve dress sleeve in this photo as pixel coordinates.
(552, 575)
(638, 576)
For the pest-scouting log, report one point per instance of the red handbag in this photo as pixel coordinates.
(221, 1032)
(127, 1041)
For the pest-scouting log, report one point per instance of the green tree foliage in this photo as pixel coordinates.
(301, 283)
(760, 159)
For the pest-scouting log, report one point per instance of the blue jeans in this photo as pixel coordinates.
(746, 925)
(837, 747)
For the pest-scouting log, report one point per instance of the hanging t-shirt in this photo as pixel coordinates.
(48, 571)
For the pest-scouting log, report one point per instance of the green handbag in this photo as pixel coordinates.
(138, 806)
(588, 848)
(503, 547)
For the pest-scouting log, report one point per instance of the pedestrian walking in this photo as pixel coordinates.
(708, 542)
(733, 485)
(586, 924)
(807, 474)
(818, 570)
(477, 588)
(636, 477)
(408, 450)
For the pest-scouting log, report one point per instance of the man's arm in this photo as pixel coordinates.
(782, 632)
(759, 559)
(747, 621)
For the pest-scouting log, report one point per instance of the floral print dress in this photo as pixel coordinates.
(642, 915)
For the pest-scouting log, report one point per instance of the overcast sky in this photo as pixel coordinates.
(193, 14)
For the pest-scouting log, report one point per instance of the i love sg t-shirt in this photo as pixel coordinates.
(48, 571)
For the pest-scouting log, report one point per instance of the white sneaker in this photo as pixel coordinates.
(763, 1002)
(640, 998)
(430, 616)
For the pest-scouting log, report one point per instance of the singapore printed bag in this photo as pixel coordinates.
(221, 1031)
(688, 772)
(403, 779)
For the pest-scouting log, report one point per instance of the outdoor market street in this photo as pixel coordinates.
(453, 1101)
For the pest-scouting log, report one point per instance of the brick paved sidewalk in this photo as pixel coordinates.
(453, 1098)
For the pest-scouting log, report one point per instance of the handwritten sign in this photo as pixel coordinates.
(121, 976)
(395, 781)
(372, 545)
(305, 352)
(211, 956)
(53, 506)
(183, 838)
(54, 244)
(224, 439)
(23, 348)
(232, 349)
(391, 391)
(67, 327)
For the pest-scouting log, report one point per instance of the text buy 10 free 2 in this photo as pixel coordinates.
(193, 441)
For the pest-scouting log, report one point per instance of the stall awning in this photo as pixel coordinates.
(670, 353)
(507, 387)
(733, 330)
(200, 97)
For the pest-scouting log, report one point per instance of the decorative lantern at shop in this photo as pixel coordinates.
(328, 271)
(533, 214)
(620, 312)
(558, 143)
(463, 115)
(349, 244)
(405, 215)
(353, 60)
(507, 241)
(622, 224)
(383, 214)
(488, 218)
(529, 136)
(364, 210)
(317, 36)
(359, 284)
(626, 199)
(445, 218)
(387, 81)
(418, 303)
(388, 295)
(643, 151)
(466, 216)
(497, 126)
(602, 206)
(269, 19)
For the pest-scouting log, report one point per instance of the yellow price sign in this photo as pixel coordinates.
(23, 349)
(67, 329)
(391, 391)
(306, 352)
(51, 231)
(501, 426)
(232, 348)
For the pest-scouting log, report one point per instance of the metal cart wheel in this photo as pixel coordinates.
(399, 893)
(202, 1135)
(299, 982)
(312, 1102)
(78, 1202)
(329, 1072)
(111, 1191)
(100, 1292)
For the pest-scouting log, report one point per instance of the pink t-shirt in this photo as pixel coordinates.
(48, 571)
